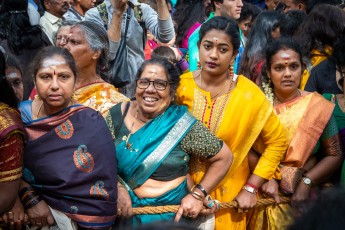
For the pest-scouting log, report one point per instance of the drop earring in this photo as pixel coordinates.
(231, 71)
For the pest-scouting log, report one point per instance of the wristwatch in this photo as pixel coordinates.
(250, 189)
(306, 180)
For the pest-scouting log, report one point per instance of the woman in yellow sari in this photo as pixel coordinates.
(89, 45)
(236, 111)
(314, 152)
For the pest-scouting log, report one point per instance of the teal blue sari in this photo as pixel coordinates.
(150, 145)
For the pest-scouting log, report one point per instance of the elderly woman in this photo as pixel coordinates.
(89, 45)
(69, 174)
(62, 35)
(11, 143)
(314, 152)
(236, 111)
(154, 141)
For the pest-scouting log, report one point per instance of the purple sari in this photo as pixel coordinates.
(70, 160)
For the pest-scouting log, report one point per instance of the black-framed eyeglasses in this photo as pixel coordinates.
(158, 84)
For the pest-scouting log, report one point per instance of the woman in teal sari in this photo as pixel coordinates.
(154, 139)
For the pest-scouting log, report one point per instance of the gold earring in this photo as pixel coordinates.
(38, 98)
(231, 71)
(199, 65)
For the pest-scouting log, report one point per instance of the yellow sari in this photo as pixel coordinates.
(238, 118)
(100, 96)
(304, 120)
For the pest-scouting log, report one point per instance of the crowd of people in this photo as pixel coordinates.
(227, 100)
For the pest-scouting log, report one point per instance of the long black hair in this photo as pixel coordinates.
(187, 13)
(7, 94)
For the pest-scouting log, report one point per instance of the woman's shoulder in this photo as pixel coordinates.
(9, 120)
(248, 87)
(25, 108)
(187, 76)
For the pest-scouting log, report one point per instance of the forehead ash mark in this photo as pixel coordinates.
(285, 55)
(13, 74)
(215, 39)
(50, 62)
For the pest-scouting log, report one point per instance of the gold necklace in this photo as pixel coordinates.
(39, 110)
(126, 138)
(221, 90)
(226, 99)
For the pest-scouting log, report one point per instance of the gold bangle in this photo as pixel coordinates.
(197, 195)
(192, 189)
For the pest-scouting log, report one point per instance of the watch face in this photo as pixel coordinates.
(307, 180)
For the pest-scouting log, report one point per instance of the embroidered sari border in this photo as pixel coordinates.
(163, 149)
(18, 170)
(11, 178)
(309, 130)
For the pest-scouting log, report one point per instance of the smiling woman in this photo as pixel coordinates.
(154, 140)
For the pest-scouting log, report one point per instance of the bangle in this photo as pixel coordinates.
(201, 189)
(29, 197)
(196, 195)
(32, 202)
(253, 186)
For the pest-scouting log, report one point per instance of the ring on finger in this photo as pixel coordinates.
(9, 213)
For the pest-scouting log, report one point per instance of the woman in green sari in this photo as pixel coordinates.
(154, 140)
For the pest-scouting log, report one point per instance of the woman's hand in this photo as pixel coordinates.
(246, 200)
(190, 207)
(40, 215)
(124, 202)
(271, 188)
(212, 206)
(300, 196)
(16, 217)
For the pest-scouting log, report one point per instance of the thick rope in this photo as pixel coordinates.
(174, 208)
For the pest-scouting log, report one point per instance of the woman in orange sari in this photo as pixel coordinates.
(314, 152)
(89, 45)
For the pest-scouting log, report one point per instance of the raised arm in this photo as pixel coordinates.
(160, 25)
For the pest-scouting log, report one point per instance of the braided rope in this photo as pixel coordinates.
(174, 208)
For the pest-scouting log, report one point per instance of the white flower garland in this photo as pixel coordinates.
(268, 92)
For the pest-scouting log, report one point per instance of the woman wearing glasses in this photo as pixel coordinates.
(154, 141)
